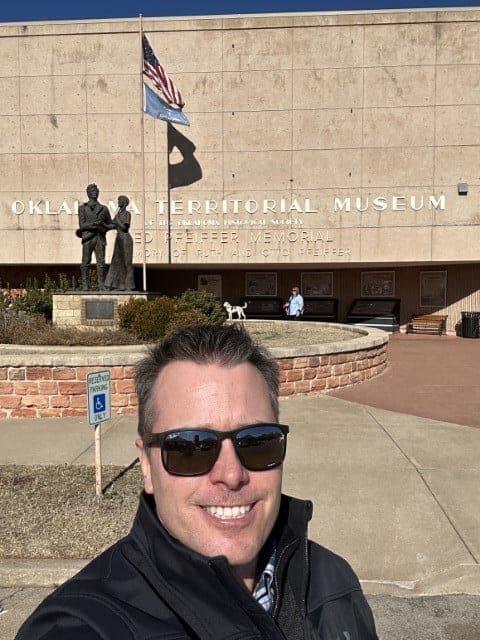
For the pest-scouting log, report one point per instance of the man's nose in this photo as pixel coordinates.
(228, 469)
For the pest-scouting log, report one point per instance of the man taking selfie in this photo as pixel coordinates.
(216, 550)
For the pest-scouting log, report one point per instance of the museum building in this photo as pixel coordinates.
(336, 151)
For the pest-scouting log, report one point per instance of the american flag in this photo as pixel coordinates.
(157, 74)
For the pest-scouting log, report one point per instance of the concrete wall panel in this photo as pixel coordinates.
(399, 86)
(13, 251)
(458, 125)
(401, 244)
(253, 171)
(461, 210)
(10, 220)
(320, 48)
(8, 57)
(455, 243)
(121, 172)
(113, 93)
(256, 49)
(396, 45)
(45, 172)
(10, 172)
(57, 244)
(193, 52)
(52, 95)
(114, 133)
(400, 166)
(458, 43)
(202, 91)
(9, 105)
(327, 88)
(52, 133)
(109, 53)
(398, 127)
(207, 132)
(327, 129)
(458, 84)
(257, 90)
(253, 131)
(339, 168)
(10, 134)
(52, 55)
(457, 164)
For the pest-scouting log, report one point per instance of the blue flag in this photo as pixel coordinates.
(157, 108)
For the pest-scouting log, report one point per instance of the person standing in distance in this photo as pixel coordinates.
(216, 550)
(294, 306)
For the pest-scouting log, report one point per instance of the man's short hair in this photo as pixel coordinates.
(225, 345)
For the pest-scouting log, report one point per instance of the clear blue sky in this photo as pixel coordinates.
(28, 10)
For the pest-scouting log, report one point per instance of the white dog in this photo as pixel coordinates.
(231, 309)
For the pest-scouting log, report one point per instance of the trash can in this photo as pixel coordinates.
(471, 324)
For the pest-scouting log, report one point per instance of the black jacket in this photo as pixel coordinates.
(148, 586)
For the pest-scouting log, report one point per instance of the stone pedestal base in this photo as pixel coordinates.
(90, 309)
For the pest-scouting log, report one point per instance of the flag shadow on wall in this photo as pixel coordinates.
(188, 170)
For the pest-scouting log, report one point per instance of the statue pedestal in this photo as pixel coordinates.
(90, 309)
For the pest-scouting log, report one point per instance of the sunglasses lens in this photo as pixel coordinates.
(261, 447)
(190, 453)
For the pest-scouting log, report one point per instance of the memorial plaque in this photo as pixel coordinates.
(326, 307)
(374, 307)
(99, 310)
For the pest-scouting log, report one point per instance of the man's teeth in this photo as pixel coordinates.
(228, 512)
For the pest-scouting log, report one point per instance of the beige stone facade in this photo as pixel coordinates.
(326, 142)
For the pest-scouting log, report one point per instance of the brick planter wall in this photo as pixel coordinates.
(51, 382)
(317, 374)
(39, 392)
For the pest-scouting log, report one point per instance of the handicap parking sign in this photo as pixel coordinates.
(99, 402)
(98, 396)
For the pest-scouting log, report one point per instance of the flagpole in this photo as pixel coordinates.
(142, 133)
(169, 219)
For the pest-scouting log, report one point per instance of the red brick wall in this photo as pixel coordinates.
(39, 392)
(314, 374)
(56, 391)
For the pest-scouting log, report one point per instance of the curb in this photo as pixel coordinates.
(38, 573)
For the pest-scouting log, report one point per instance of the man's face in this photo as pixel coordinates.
(92, 192)
(208, 395)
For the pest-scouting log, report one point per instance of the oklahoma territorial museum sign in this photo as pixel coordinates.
(250, 206)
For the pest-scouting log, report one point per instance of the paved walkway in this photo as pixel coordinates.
(397, 495)
(435, 377)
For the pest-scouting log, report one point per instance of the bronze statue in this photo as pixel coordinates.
(120, 274)
(94, 222)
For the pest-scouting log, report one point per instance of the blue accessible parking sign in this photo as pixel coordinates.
(98, 396)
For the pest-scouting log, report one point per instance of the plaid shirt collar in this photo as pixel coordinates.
(264, 591)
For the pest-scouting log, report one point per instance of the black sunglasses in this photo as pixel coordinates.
(193, 452)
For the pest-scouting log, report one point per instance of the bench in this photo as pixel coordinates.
(428, 323)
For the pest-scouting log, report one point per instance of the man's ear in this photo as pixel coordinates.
(144, 460)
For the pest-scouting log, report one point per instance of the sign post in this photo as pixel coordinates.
(99, 410)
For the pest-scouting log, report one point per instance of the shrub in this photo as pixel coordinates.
(146, 319)
(34, 301)
(184, 316)
(205, 302)
(153, 319)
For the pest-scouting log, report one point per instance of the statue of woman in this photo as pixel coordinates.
(120, 274)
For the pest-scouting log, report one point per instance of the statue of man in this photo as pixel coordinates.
(94, 222)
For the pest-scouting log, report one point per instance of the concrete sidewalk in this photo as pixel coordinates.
(395, 494)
